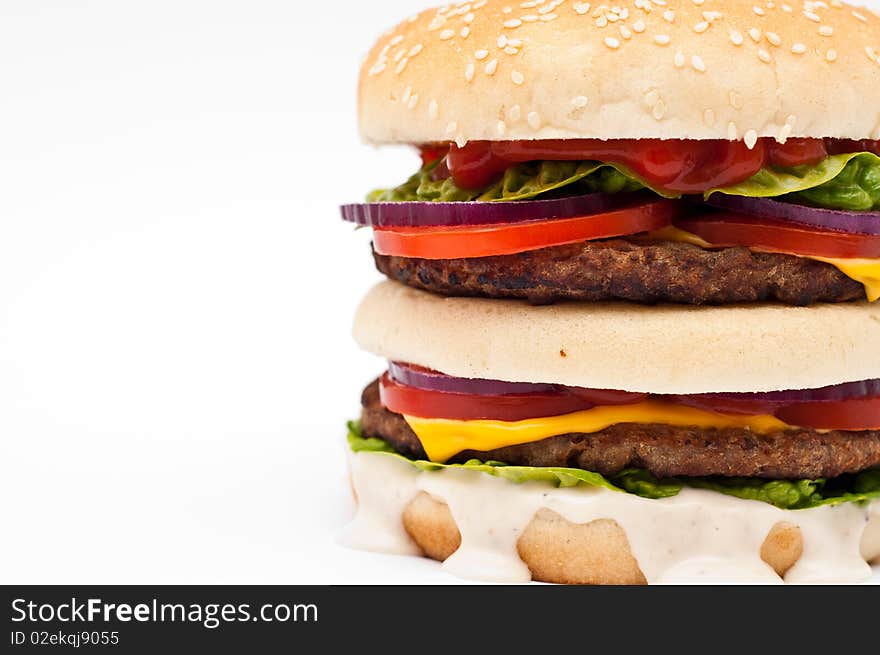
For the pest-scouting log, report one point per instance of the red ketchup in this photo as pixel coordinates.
(678, 165)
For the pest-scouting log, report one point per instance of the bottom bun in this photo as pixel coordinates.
(484, 527)
(557, 550)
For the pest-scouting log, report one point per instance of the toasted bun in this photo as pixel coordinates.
(502, 69)
(654, 349)
(557, 550)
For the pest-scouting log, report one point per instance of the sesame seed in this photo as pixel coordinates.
(548, 17)
(679, 59)
(432, 109)
(773, 38)
(698, 2)
(601, 21)
(438, 22)
(612, 43)
(534, 120)
(736, 38)
(755, 34)
(465, 32)
(625, 32)
(658, 111)
(826, 30)
(698, 64)
(401, 65)
(872, 54)
(514, 113)
(764, 56)
(447, 34)
(799, 48)
(712, 15)
(812, 16)
(669, 16)
(701, 27)
(758, 10)
(491, 67)
(451, 127)
(407, 92)
(397, 39)
(481, 54)
(860, 17)
(751, 139)
(469, 71)
(502, 41)
(512, 23)
(791, 120)
(787, 9)
(831, 55)
(517, 77)
(662, 39)
(581, 8)
(579, 101)
(529, 18)
(639, 26)
(510, 50)
(413, 101)
(516, 43)
(784, 133)
(469, 18)
(731, 131)
(501, 128)
(416, 49)
(652, 97)
(507, 10)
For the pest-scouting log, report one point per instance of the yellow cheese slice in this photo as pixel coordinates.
(443, 438)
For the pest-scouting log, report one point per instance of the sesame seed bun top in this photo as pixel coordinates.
(695, 69)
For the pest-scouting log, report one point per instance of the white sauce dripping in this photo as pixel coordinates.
(698, 536)
(384, 486)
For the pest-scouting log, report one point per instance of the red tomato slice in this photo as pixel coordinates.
(731, 229)
(510, 238)
(727, 405)
(853, 414)
(412, 401)
(606, 396)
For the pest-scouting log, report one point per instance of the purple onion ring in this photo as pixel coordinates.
(852, 222)
(460, 214)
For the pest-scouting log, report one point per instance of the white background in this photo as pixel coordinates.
(176, 289)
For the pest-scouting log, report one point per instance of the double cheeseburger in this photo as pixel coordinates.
(630, 321)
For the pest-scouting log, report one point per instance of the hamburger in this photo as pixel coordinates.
(630, 324)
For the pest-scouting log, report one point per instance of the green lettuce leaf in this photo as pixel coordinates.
(849, 182)
(798, 494)
(785, 494)
(633, 481)
(520, 182)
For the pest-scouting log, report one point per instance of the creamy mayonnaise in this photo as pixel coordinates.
(697, 536)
